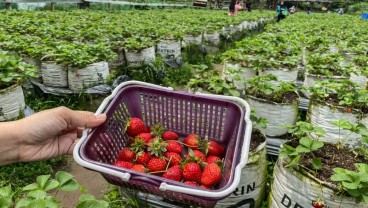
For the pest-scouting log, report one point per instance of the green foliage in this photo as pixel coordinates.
(359, 128)
(328, 65)
(37, 194)
(178, 77)
(358, 8)
(261, 122)
(353, 182)
(13, 70)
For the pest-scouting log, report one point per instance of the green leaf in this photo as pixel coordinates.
(38, 203)
(6, 202)
(6, 191)
(51, 202)
(317, 163)
(51, 184)
(365, 198)
(362, 167)
(30, 187)
(306, 142)
(294, 162)
(93, 204)
(42, 180)
(317, 145)
(302, 149)
(86, 197)
(70, 185)
(341, 177)
(354, 192)
(63, 177)
(37, 194)
(351, 185)
(23, 202)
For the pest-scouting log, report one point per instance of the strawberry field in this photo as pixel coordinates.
(168, 144)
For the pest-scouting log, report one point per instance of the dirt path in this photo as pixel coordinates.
(92, 181)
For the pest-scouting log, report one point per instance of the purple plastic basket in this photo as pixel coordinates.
(220, 118)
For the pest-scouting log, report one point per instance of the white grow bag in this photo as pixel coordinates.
(54, 75)
(169, 49)
(212, 39)
(277, 114)
(146, 55)
(252, 187)
(322, 114)
(192, 40)
(359, 78)
(11, 102)
(292, 189)
(286, 75)
(245, 74)
(118, 60)
(94, 74)
(310, 81)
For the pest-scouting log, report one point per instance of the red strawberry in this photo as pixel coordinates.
(192, 141)
(205, 187)
(135, 127)
(196, 155)
(123, 164)
(146, 137)
(213, 148)
(192, 172)
(143, 158)
(174, 173)
(318, 203)
(126, 154)
(192, 183)
(211, 174)
(139, 168)
(156, 164)
(213, 158)
(173, 146)
(348, 110)
(170, 135)
(175, 158)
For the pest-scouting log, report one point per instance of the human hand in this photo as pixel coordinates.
(53, 132)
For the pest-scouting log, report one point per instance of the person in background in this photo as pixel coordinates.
(234, 7)
(281, 10)
(292, 10)
(248, 6)
(340, 12)
(44, 135)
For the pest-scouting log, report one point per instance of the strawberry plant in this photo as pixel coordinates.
(327, 65)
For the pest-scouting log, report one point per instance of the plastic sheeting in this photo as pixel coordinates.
(92, 75)
(322, 114)
(144, 56)
(252, 187)
(11, 102)
(54, 75)
(285, 75)
(278, 115)
(245, 74)
(292, 189)
(169, 49)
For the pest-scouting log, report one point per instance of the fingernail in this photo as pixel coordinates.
(100, 116)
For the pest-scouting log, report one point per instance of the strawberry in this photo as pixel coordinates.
(195, 155)
(205, 187)
(146, 137)
(157, 147)
(123, 164)
(213, 158)
(192, 172)
(192, 141)
(135, 127)
(211, 174)
(349, 110)
(157, 164)
(174, 173)
(143, 158)
(169, 135)
(175, 158)
(192, 183)
(173, 146)
(212, 148)
(318, 203)
(139, 168)
(138, 145)
(126, 154)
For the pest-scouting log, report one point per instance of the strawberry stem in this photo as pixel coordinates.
(183, 143)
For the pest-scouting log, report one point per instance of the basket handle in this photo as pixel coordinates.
(238, 168)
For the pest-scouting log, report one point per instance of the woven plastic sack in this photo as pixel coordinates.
(92, 75)
(54, 75)
(245, 74)
(292, 189)
(146, 55)
(359, 78)
(11, 102)
(118, 60)
(252, 187)
(310, 80)
(169, 49)
(212, 39)
(322, 114)
(278, 115)
(286, 75)
(192, 40)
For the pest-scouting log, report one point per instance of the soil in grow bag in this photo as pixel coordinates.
(333, 100)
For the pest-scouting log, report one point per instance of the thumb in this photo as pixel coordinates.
(81, 118)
